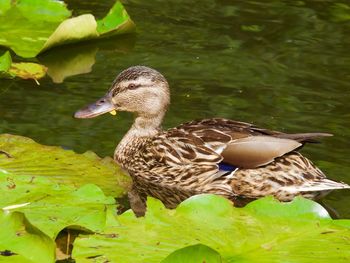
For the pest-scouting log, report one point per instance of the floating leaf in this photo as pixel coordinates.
(27, 70)
(293, 233)
(84, 27)
(21, 242)
(270, 207)
(115, 22)
(31, 159)
(194, 254)
(52, 207)
(5, 64)
(24, 70)
(29, 27)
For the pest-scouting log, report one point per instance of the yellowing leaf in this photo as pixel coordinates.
(24, 70)
(27, 70)
(73, 30)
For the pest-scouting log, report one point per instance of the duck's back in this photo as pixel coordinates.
(229, 158)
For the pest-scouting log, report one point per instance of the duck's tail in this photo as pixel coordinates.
(316, 189)
(305, 137)
(318, 186)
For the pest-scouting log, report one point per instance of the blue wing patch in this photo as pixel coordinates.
(226, 167)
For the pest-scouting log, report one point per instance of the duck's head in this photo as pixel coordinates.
(138, 89)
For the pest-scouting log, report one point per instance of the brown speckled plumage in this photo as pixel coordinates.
(175, 164)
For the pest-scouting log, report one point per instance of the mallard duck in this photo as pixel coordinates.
(229, 158)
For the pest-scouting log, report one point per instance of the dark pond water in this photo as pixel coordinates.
(279, 64)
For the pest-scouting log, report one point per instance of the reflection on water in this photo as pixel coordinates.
(72, 62)
(78, 59)
(282, 65)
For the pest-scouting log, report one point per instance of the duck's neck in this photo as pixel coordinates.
(147, 123)
(144, 127)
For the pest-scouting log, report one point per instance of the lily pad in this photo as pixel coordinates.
(194, 254)
(238, 234)
(28, 70)
(117, 21)
(21, 242)
(5, 62)
(52, 207)
(24, 70)
(5, 65)
(270, 207)
(27, 158)
(30, 27)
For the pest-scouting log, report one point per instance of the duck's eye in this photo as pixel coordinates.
(132, 86)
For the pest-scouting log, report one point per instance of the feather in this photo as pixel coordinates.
(255, 151)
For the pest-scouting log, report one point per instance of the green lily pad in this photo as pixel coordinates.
(5, 62)
(31, 159)
(30, 27)
(270, 207)
(21, 242)
(24, 70)
(117, 21)
(194, 254)
(238, 234)
(5, 65)
(52, 207)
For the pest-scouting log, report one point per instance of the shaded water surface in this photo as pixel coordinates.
(282, 65)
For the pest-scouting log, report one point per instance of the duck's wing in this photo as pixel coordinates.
(180, 147)
(245, 145)
(255, 151)
(238, 129)
(176, 147)
(182, 160)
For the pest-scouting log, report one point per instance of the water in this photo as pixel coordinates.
(281, 65)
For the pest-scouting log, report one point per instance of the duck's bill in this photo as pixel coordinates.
(100, 107)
